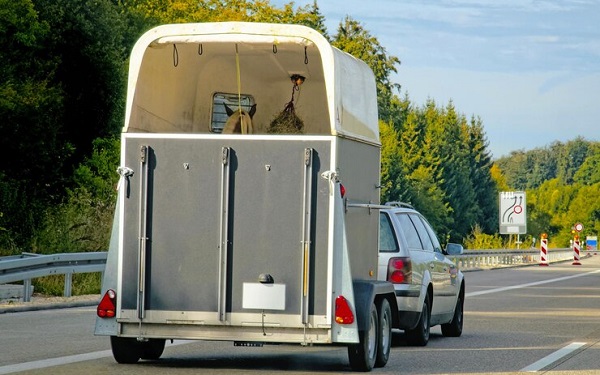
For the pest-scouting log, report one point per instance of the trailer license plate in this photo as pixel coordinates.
(245, 343)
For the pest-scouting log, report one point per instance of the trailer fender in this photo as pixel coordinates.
(368, 292)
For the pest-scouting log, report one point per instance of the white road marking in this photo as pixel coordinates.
(44, 363)
(503, 289)
(550, 359)
(34, 365)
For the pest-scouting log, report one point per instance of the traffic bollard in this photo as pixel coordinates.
(544, 250)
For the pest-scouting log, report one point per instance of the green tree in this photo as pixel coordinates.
(62, 80)
(485, 188)
(179, 11)
(87, 41)
(30, 108)
(589, 171)
(83, 221)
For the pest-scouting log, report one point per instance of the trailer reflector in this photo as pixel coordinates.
(107, 306)
(343, 312)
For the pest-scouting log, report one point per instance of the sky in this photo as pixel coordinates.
(529, 69)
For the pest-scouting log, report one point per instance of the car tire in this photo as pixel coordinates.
(384, 339)
(455, 327)
(362, 356)
(419, 336)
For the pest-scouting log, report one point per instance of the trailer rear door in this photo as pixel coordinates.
(203, 216)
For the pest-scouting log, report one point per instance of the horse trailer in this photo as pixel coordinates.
(255, 237)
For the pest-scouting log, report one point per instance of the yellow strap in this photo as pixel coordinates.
(239, 87)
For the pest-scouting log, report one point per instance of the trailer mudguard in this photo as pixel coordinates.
(365, 294)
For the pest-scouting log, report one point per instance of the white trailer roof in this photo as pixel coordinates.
(175, 71)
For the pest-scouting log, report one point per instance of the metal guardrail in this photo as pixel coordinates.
(29, 266)
(485, 259)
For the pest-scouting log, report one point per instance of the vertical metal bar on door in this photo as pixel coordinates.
(306, 231)
(224, 232)
(143, 235)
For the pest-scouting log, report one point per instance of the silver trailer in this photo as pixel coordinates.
(246, 237)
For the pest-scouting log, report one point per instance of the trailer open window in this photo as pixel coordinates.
(233, 101)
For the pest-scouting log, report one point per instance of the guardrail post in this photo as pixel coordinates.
(27, 290)
(68, 283)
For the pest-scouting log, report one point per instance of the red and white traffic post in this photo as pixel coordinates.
(576, 249)
(544, 250)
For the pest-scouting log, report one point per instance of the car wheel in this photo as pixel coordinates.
(362, 356)
(419, 336)
(125, 350)
(384, 341)
(152, 349)
(455, 327)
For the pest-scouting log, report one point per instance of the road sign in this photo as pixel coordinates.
(591, 242)
(513, 212)
(579, 227)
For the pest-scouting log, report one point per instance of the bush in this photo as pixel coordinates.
(81, 284)
(478, 240)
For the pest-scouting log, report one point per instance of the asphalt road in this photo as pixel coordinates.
(528, 319)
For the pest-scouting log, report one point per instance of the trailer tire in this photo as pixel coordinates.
(125, 350)
(153, 349)
(384, 339)
(419, 336)
(363, 355)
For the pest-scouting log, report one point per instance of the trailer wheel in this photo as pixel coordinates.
(153, 349)
(363, 355)
(384, 339)
(125, 350)
(419, 336)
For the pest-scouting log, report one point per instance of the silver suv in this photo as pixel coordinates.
(430, 290)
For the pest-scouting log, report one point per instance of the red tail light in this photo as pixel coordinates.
(342, 190)
(400, 270)
(343, 312)
(107, 307)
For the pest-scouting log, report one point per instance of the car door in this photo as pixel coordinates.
(420, 258)
(440, 275)
(447, 288)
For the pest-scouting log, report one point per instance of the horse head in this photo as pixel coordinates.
(239, 121)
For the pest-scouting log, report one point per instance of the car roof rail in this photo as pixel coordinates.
(399, 204)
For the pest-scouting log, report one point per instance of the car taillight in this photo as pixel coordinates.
(342, 190)
(399, 270)
(108, 306)
(343, 312)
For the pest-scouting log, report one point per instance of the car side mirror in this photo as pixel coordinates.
(454, 249)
